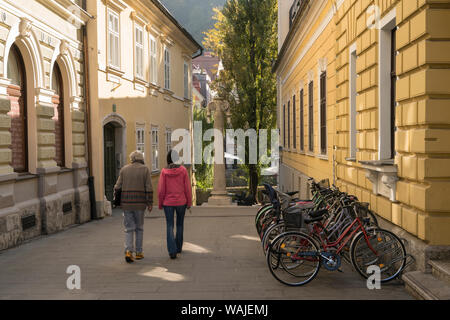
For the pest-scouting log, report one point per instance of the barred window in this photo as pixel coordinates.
(155, 149)
(140, 139)
(168, 140)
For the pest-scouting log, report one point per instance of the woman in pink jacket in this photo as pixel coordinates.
(175, 195)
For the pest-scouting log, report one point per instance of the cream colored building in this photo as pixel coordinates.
(364, 100)
(43, 166)
(140, 62)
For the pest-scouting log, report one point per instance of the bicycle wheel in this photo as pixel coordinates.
(260, 210)
(269, 211)
(272, 232)
(293, 258)
(390, 254)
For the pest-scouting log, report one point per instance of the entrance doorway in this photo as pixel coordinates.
(110, 160)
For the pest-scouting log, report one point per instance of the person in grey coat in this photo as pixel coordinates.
(135, 183)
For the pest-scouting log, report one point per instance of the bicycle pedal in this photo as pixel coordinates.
(339, 270)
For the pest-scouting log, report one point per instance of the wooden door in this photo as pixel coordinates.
(110, 160)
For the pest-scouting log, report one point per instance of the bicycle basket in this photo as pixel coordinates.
(293, 218)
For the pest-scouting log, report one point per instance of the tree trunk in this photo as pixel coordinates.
(253, 181)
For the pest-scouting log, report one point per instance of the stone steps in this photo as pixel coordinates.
(429, 286)
(441, 270)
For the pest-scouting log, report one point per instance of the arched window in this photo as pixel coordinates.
(17, 92)
(58, 118)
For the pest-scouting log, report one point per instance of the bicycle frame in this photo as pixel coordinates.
(342, 241)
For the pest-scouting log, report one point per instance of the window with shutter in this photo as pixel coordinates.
(114, 39)
(302, 123)
(294, 125)
(311, 116)
(139, 52)
(323, 113)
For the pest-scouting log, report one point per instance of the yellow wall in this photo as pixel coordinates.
(138, 101)
(422, 114)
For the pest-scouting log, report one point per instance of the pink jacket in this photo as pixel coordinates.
(174, 187)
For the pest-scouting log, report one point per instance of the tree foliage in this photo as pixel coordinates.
(245, 38)
(204, 171)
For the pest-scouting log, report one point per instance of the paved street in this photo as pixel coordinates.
(222, 259)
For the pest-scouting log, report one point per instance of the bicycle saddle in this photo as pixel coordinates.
(318, 214)
(315, 216)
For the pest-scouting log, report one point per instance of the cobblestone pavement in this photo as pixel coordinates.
(222, 259)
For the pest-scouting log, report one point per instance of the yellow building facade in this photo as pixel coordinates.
(140, 62)
(381, 131)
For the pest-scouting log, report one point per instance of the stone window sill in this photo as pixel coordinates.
(383, 175)
(115, 71)
(322, 157)
(25, 176)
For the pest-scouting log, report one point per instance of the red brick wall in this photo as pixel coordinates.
(18, 129)
(59, 130)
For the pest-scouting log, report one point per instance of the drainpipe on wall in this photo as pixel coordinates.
(94, 215)
(334, 165)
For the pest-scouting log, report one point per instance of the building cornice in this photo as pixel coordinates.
(117, 5)
(296, 26)
(68, 10)
(138, 18)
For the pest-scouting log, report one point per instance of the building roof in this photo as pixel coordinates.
(209, 63)
(287, 41)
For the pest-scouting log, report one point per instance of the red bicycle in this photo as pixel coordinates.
(294, 258)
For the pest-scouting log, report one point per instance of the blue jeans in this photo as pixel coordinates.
(175, 243)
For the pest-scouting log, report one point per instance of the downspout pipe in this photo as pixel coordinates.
(92, 198)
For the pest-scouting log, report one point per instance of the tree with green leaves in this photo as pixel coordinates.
(245, 38)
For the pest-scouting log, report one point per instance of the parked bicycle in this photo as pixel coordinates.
(299, 237)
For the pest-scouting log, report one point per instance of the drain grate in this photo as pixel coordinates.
(29, 222)
(67, 207)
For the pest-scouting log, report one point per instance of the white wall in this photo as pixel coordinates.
(283, 20)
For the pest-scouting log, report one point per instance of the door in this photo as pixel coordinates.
(110, 161)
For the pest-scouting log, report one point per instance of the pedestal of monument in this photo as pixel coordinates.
(219, 199)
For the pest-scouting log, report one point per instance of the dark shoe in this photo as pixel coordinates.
(173, 256)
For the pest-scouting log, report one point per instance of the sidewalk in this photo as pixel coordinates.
(222, 259)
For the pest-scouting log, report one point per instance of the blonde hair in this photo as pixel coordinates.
(136, 156)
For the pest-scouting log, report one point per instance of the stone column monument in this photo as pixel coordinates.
(219, 197)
